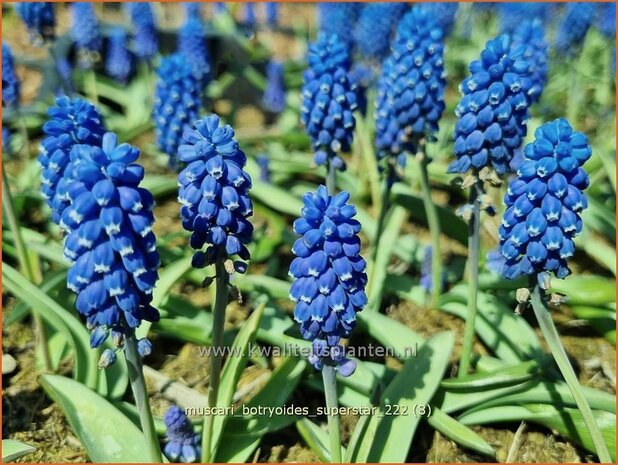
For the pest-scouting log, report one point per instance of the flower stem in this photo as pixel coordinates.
(93, 84)
(330, 392)
(384, 209)
(331, 176)
(474, 243)
(216, 358)
(434, 227)
(553, 340)
(138, 386)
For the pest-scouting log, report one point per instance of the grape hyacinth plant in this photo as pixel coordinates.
(177, 103)
(329, 288)
(273, 99)
(339, 18)
(329, 101)
(146, 41)
(444, 13)
(119, 62)
(530, 35)
(192, 44)
(544, 203)
(272, 14)
(86, 33)
(214, 194)
(11, 86)
(577, 19)
(491, 125)
(183, 444)
(375, 28)
(39, 18)
(409, 105)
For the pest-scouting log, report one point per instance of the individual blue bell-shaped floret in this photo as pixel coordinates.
(273, 99)
(494, 261)
(577, 19)
(72, 122)
(375, 28)
(329, 275)
(11, 87)
(272, 13)
(530, 35)
(146, 41)
(410, 97)
(513, 13)
(110, 242)
(492, 114)
(329, 101)
(119, 62)
(605, 19)
(177, 103)
(443, 13)
(86, 32)
(108, 358)
(339, 18)
(214, 194)
(183, 444)
(39, 18)
(192, 44)
(544, 203)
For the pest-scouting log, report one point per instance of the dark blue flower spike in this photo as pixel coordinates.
(72, 122)
(544, 204)
(146, 41)
(329, 101)
(329, 276)
(273, 99)
(11, 87)
(272, 14)
(444, 13)
(110, 242)
(214, 193)
(183, 444)
(339, 18)
(192, 44)
(119, 61)
(572, 31)
(39, 18)
(177, 102)
(375, 27)
(86, 33)
(530, 35)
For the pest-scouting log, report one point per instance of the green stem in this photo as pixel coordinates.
(434, 227)
(552, 337)
(93, 84)
(331, 176)
(330, 392)
(25, 265)
(216, 357)
(140, 393)
(23, 130)
(474, 240)
(384, 209)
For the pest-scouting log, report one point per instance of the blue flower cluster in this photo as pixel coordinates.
(443, 13)
(192, 44)
(375, 28)
(329, 100)
(110, 240)
(410, 97)
(183, 443)
(193, 10)
(39, 18)
(273, 99)
(86, 32)
(544, 204)
(329, 275)
(119, 62)
(65, 72)
(572, 31)
(249, 17)
(530, 35)
(177, 103)
(214, 193)
(146, 42)
(493, 112)
(513, 13)
(72, 122)
(606, 19)
(339, 18)
(11, 87)
(272, 13)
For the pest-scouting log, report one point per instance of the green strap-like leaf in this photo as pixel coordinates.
(12, 450)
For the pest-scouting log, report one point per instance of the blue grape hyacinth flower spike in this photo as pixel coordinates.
(214, 194)
(192, 44)
(530, 35)
(339, 18)
(410, 97)
(329, 101)
(119, 62)
(273, 99)
(444, 13)
(544, 203)
(492, 114)
(86, 32)
(110, 242)
(177, 102)
(146, 41)
(39, 18)
(183, 444)
(375, 28)
(272, 14)
(72, 122)
(11, 86)
(329, 276)
(572, 31)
